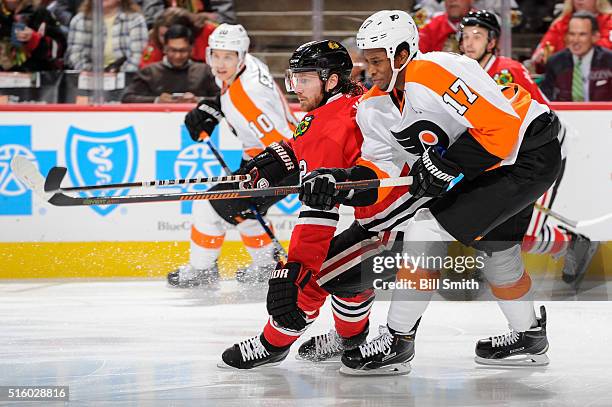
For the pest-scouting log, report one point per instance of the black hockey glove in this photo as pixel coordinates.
(433, 175)
(202, 120)
(270, 167)
(319, 188)
(283, 287)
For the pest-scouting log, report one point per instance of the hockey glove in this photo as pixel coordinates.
(319, 188)
(283, 287)
(202, 120)
(270, 167)
(433, 175)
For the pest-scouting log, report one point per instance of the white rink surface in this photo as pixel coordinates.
(140, 343)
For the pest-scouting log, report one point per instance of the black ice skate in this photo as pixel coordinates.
(251, 353)
(580, 252)
(188, 276)
(329, 346)
(387, 354)
(254, 274)
(516, 348)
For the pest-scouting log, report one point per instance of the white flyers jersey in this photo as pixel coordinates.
(255, 108)
(460, 93)
(392, 141)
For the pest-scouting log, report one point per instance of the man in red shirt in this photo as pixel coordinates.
(440, 33)
(478, 37)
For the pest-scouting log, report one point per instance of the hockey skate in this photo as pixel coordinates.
(252, 353)
(188, 276)
(579, 254)
(329, 346)
(254, 274)
(516, 348)
(387, 354)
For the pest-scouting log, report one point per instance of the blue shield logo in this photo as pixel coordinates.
(290, 204)
(96, 158)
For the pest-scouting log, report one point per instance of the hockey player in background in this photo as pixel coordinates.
(258, 114)
(478, 37)
(502, 154)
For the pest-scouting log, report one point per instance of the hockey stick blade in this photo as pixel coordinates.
(60, 199)
(29, 175)
(54, 179)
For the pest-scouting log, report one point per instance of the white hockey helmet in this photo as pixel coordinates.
(229, 37)
(388, 29)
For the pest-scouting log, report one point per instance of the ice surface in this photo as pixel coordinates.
(140, 343)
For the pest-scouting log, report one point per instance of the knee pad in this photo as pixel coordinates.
(502, 268)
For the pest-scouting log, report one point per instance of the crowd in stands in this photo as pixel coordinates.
(163, 42)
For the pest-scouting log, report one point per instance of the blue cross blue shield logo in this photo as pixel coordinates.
(96, 158)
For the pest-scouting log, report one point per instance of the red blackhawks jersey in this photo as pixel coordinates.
(326, 137)
(506, 71)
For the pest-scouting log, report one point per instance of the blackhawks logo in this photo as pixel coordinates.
(503, 77)
(303, 126)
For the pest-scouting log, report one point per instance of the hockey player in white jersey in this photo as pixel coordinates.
(258, 114)
(504, 146)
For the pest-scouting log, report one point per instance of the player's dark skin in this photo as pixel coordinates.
(379, 67)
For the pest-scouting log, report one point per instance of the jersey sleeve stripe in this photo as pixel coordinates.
(495, 129)
(251, 113)
(319, 214)
(380, 174)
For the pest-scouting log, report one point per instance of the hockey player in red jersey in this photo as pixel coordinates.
(478, 37)
(319, 75)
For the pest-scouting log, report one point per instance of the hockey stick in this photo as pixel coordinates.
(573, 223)
(279, 248)
(57, 174)
(27, 172)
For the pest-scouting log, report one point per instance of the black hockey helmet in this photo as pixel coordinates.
(326, 57)
(481, 18)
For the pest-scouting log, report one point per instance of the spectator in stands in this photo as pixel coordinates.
(176, 79)
(218, 11)
(554, 39)
(582, 71)
(125, 36)
(440, 34)
(174, 15)
(30, 38)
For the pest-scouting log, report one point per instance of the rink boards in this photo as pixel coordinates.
(112, 144)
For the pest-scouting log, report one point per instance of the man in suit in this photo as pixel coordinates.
(583, 71)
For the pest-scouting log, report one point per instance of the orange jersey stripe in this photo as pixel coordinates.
(513, 291)
(496, 130)
(206, 241)
(380, 174)
(253, 115)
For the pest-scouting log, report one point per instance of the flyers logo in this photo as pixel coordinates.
(303, 126)
(421, 135)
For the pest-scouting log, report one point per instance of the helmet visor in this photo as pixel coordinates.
(301, 81)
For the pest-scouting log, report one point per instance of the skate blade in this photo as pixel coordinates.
(222, 365)
(522, 361)
(391, 370)
(334, 359)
